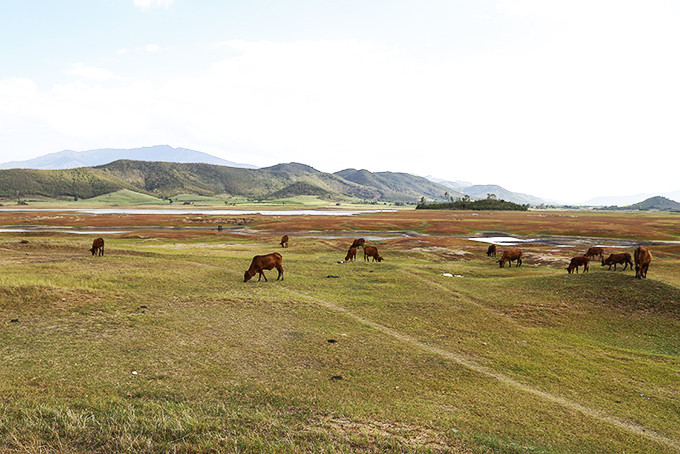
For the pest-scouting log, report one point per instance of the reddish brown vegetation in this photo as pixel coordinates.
(614, 225)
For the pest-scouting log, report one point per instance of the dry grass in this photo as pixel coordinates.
(390, 356)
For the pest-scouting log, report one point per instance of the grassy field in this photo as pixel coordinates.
(128, 198)
(159, 346)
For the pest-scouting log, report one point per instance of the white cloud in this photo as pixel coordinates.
(91, 73)
(152, 4)
(593, 93)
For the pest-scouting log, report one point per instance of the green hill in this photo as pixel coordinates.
(168, 179)
(657, 203)
(127, 198)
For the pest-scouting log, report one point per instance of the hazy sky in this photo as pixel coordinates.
(560, 99)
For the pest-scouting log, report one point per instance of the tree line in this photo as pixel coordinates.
(464, 203)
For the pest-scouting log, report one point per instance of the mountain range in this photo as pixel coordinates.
(363, 184)
(168, 179)
(383, 186)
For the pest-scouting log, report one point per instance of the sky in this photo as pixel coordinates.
(564, 100)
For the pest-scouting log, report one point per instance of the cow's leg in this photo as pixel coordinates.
(280, 269)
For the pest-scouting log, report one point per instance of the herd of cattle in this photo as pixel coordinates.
(261, 263)
(642, 257)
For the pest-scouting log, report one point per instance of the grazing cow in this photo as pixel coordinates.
(593, 252)
(510, 255)
(622, 259)
(359, 242)
(643, 257)
(97, 247)
(284, 241)
(491, 251)
(351, 254)
(578, 261)
(372, 251)
(264, 262)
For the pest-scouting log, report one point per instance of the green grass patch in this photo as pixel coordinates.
(159, 346)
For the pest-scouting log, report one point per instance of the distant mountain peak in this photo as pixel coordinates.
(293, 167)
(69, 159)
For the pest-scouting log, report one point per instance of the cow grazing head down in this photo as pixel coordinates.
(511, 255)
(578, 261)
(97, 247)
(264, 262)
(372, 251)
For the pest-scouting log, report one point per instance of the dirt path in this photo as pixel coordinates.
(463, 361)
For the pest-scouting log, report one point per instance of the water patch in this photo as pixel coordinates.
(501, 240)
(559, 242)
(77, 232)
(366, 237)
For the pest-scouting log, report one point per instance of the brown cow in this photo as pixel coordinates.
(97, 247)
(359, 242)
(622, 259)
(372, 251)
(579, 261)
(510, 255)
(643, 257)
(264, 262)
(491, 251)
(351, 254)
(284, 241)
(593, 252)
